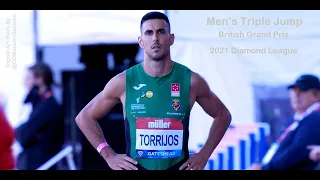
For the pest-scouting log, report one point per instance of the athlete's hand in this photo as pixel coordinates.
(195, 162)
(121, 162)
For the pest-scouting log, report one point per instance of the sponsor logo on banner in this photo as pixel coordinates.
(158, 137)
(175, 90)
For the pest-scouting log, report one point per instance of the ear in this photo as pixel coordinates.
(140, 42)
(171, 39)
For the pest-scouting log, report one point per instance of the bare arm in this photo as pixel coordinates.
(213, 106)
(97, 108)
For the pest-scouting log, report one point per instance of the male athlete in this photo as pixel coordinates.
(157, 96)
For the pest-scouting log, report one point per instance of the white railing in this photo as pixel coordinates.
(65, 153)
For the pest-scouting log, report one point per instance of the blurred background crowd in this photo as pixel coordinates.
(55, 62)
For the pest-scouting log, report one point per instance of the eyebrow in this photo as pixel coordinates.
(161, 29)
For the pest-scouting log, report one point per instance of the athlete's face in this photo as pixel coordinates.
(156, 39)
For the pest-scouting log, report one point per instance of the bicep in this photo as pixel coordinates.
(205, 97)
(210, 103)
(102, 103)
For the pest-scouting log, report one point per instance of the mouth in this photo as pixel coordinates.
(156, 47)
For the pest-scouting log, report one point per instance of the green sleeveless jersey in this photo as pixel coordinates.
(157, 116)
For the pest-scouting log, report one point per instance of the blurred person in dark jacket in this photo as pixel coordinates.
(290, 152)
(42, 135)
(7, 161)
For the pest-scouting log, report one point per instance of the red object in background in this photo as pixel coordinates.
(7, 161)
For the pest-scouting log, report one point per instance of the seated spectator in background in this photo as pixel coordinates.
(315, 152)
(290, 152)
(7, 161)
(41, 137)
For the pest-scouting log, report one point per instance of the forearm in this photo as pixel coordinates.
(217, 131)
(92, 131)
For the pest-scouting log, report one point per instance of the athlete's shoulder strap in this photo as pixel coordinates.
(131, 72)
(181, 66)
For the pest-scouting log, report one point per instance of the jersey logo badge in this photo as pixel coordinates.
(139, 87)
(140, 153)
(148, 94)
(175, 90)
(138, 100)
(175, 104)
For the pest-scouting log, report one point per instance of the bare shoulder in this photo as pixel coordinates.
(195, 78)
(120, 79)
(116, 87)
(198, 84)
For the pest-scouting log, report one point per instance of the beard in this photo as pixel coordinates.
(156, 56)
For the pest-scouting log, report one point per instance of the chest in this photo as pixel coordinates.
(158, 99)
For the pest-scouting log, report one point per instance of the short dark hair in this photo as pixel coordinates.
(155, 15)
(43, 70)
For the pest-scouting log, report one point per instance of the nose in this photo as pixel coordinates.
(155, 37)
(298, 93)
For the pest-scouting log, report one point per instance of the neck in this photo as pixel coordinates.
(157, 68)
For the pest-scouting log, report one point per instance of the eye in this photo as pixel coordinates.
(148, 33)
(162, 32)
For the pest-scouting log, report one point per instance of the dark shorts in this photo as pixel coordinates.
(174, 167)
